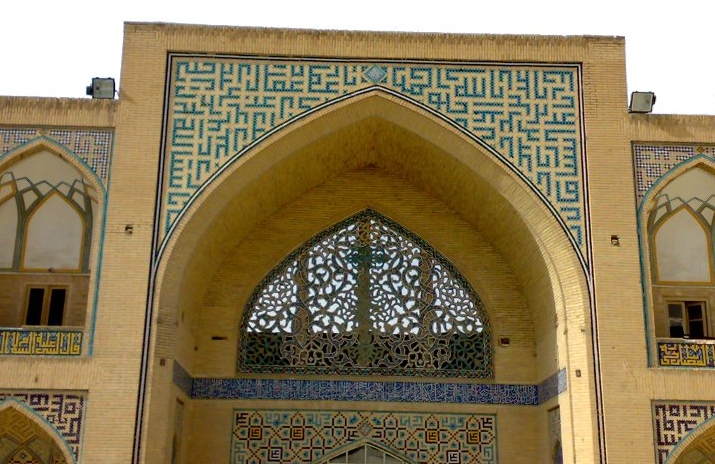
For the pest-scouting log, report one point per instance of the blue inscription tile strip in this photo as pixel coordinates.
(552, 386)
(349, 390)
(528, 114)
(363, 391)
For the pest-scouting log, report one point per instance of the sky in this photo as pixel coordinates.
(53, 48)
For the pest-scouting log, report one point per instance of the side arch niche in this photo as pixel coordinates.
(51, 204)
(24, 440)
(678, 252)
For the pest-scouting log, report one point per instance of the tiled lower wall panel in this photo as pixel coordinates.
(288, 436)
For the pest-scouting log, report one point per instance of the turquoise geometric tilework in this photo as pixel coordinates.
(652, 161)
(527, 114)
(674, 420)
(284, 436)
(93, 146)
(64, 411)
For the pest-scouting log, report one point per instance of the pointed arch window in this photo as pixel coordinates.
(366, 296)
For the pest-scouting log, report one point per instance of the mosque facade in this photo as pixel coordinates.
(295, 246)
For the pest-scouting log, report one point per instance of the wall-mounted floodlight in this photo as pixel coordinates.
(102, 87)
(642, 102)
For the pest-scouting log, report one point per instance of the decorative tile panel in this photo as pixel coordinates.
(93, 146)
(337, 390)
(652, 161)
(528, 114)
(64, 411)
(673, 421)
(40, 342)
(283, 436)
(681, 353)
(348, 390)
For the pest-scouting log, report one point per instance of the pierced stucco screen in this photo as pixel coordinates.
(366, 296)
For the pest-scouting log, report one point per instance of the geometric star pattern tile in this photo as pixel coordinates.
(283, 436)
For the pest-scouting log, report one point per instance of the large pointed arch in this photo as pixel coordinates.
(371, 132)
(351, 99)
(28, 433)
(508, 195)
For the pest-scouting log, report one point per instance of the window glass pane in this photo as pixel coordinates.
(695, 311)
(675, 315)
(57, 306)
(697, 329)
(675, 312)
(34, 306)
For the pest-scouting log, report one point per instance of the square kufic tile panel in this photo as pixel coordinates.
(283, 436)
(64, 411)
(673, 420)
(93, 146)
(528, 115)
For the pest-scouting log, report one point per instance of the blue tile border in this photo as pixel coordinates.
(365, 390)
(339, 390)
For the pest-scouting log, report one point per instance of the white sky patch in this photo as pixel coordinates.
(52, 48)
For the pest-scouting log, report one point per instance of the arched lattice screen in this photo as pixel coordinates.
(366, 296)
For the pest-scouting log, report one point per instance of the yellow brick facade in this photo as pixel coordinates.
(515, 157)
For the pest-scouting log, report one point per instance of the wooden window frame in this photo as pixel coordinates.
(688, 320)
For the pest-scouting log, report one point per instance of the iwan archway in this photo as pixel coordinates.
(380, 151)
